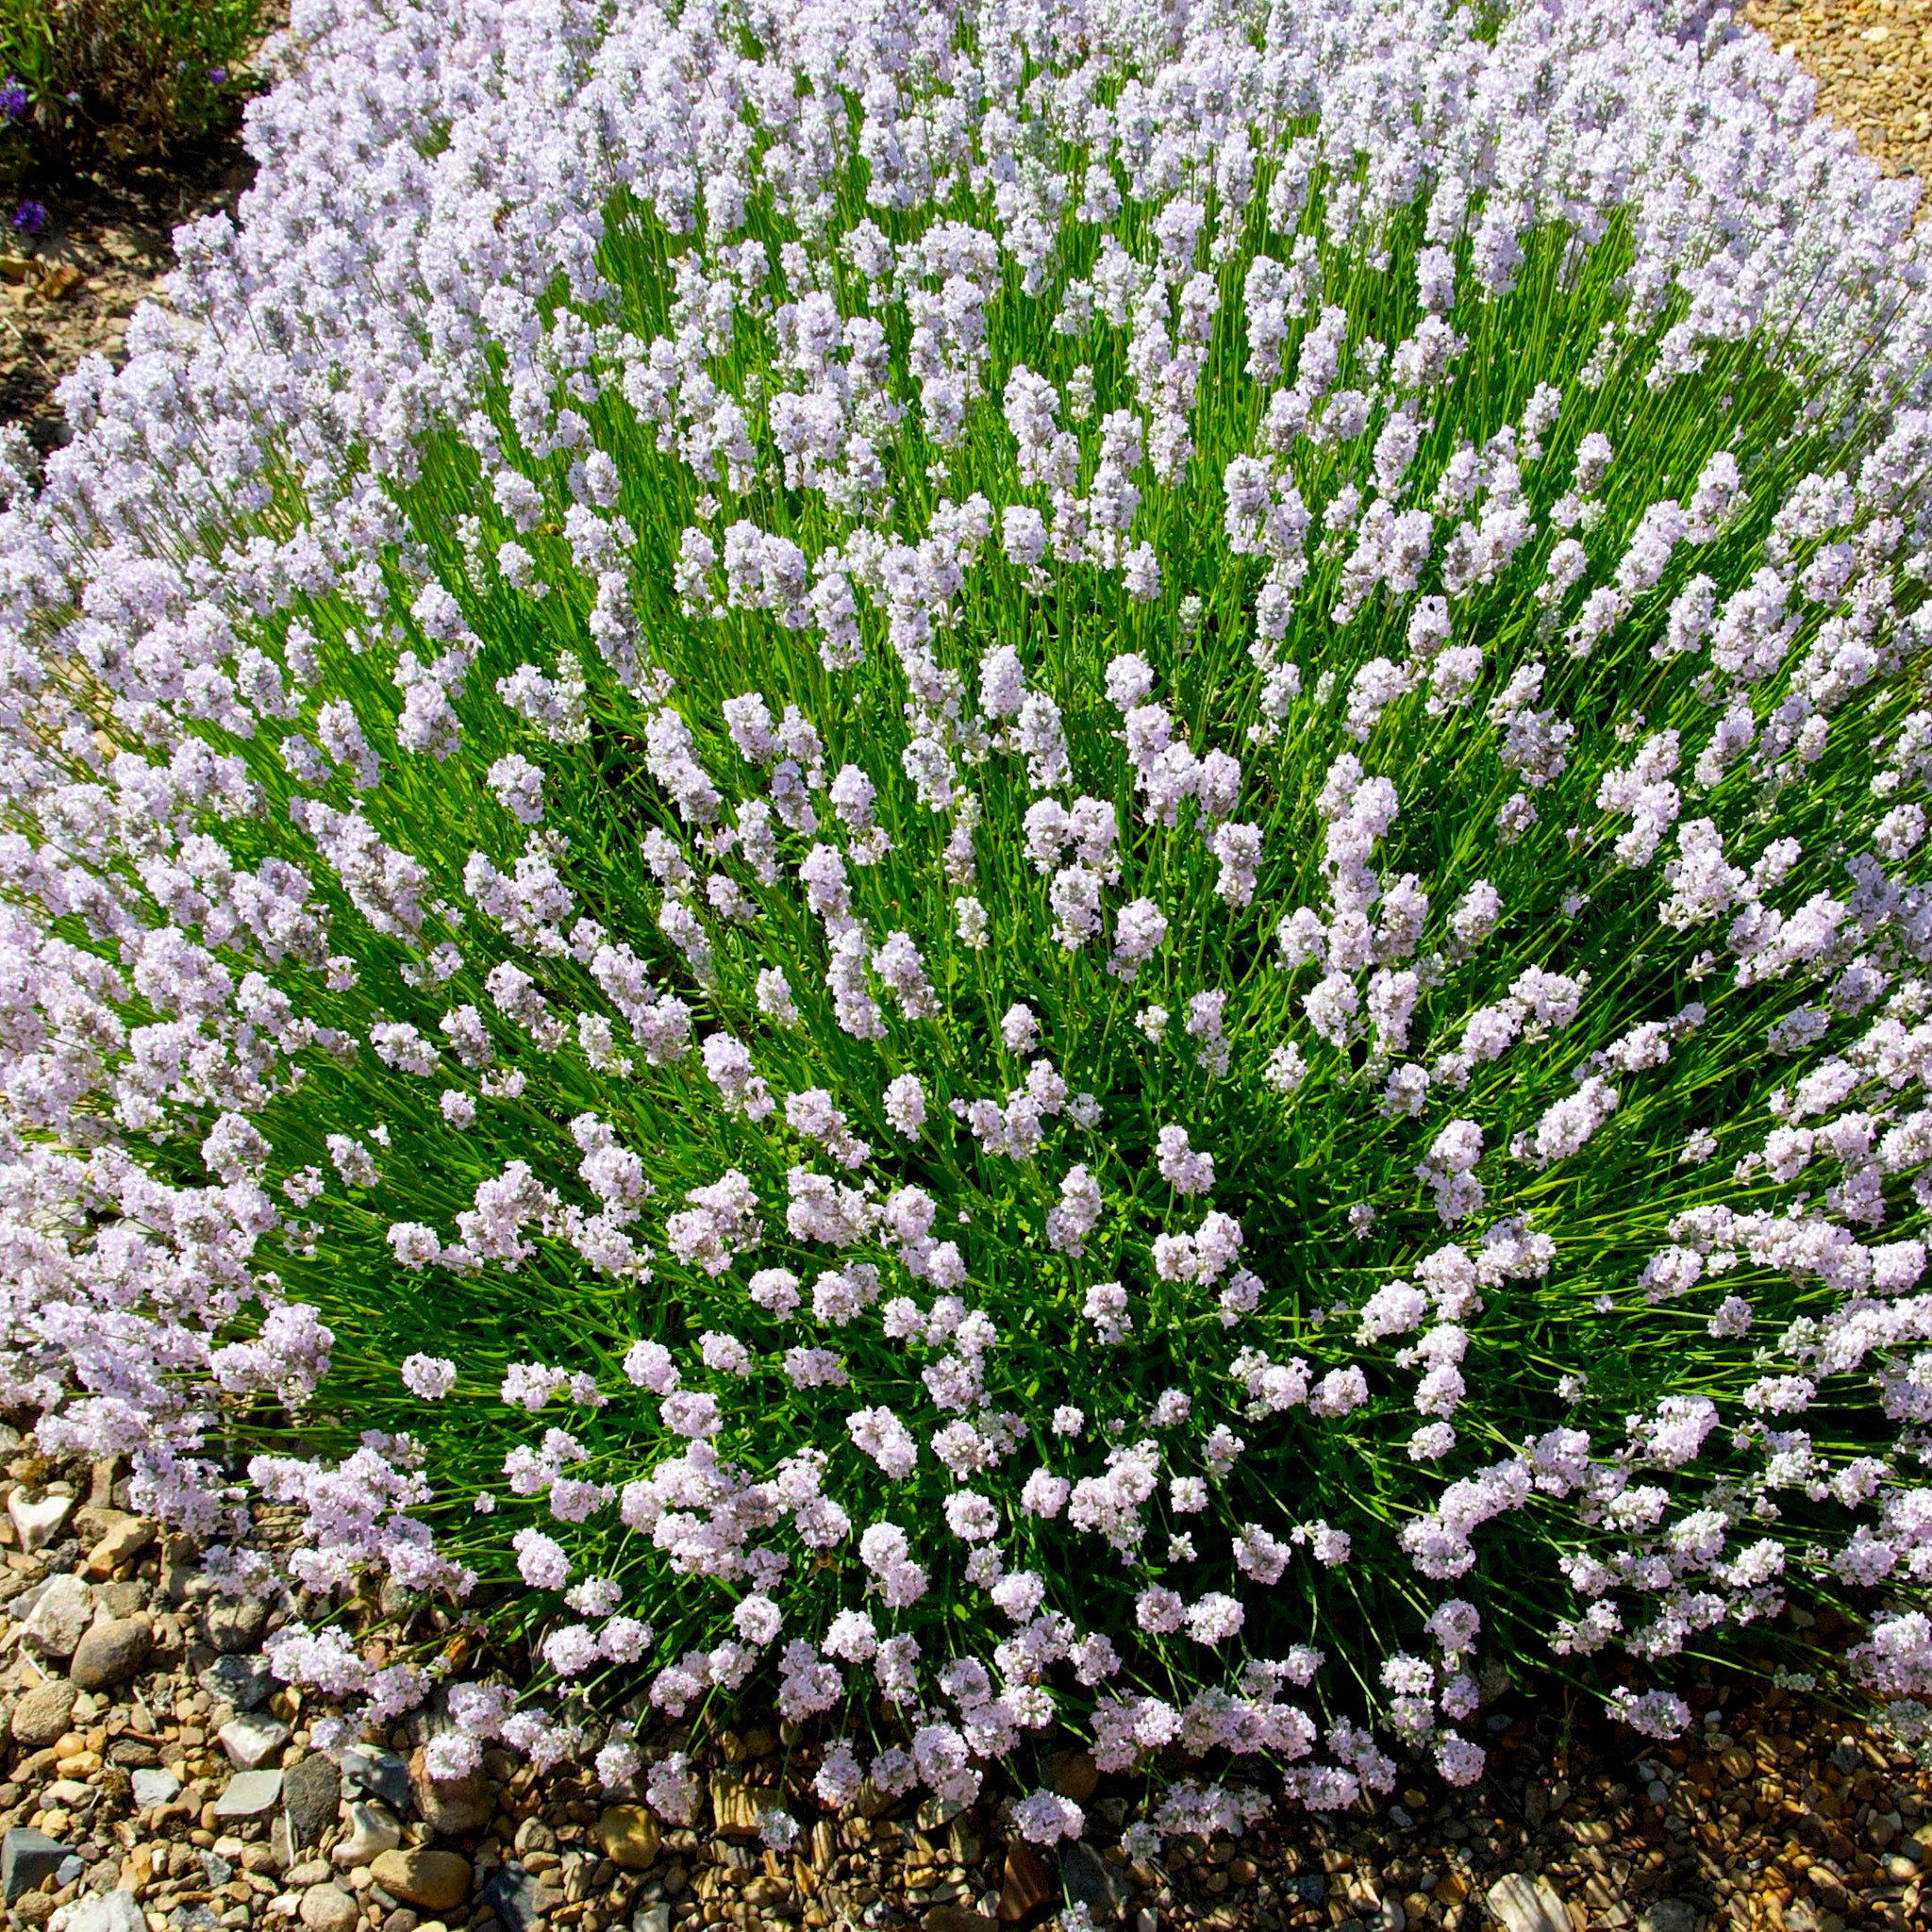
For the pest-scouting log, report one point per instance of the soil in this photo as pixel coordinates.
(109, 241)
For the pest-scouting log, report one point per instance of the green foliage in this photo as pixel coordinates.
(121, 80)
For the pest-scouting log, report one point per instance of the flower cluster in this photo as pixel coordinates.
(1026, 858)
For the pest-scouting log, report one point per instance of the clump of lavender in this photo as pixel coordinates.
(14, 99)
(29, 217)
(1002, 872)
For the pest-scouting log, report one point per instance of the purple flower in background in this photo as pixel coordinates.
(30, 217)
(218, 77)
(13, 100)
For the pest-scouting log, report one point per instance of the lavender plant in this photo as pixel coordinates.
(1001, 865)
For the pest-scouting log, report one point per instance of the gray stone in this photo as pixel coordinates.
(1091, 1881)
(106, 1911)
(1807, 1915)
(515, 1896)
(312, 1790)
(70, 1868)
(247, 1682)
(252, 1738)
(250, 1794)
(127, 1598)
(37, 1524)
(1527, 1905)
(26, 1857)
(195, 1919)
(235, 1623)
(372, 1769)
(111, 1653)
(155, 1786)
(1668, 1915)
(329, 1909)
(60, 1618)
(41, 1716)
(372, 1830)
(655, 1918)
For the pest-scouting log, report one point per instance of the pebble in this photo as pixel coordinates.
(111, 1653)
(380, 1772)
(37, 1524)
(515, 1896)
(734, 1811)
(252, 1738)
(312, 1790)
(629, 1836)
(1025, 1885)
(1073, 1774)
(235, 1623)
(250, 1794)
(454, 1805)
(329, 1909)
(1668, 1915)
(372, 1830)
(41, 1715)
(247, 1682)
(1527, 1905)
(108, 1911)
(122, 1539)
(438, 1881)
(155, 1785)
(1881, 89)
(935, 1814)
(26, 1857)
(60, 1618)
(1090, 1880)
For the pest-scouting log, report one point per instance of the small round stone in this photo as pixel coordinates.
(111, 1653)
(40, 1717)
(329, 1909)
(437, 1881)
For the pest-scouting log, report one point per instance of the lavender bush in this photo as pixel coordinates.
(1001, 865)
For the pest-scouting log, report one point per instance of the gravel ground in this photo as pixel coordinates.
(158, 1779)
(1872, 62)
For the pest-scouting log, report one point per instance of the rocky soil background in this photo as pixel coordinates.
(159, 1778)
(1872, 62)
